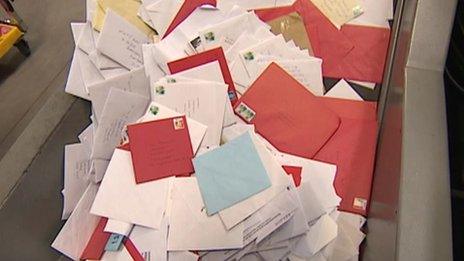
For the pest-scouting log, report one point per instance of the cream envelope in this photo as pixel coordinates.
(122, 41)
(197, 131)
(122, 199)
(76, 232)
(376, 13)
(190, 228)
(98, 169)
(343, 90)
(279, 179)
(341, 11)
(133, 82)
(203, 102)
(76, 167)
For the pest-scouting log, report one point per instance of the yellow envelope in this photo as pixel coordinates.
(128, 9)
(292, 27)
(339, 12)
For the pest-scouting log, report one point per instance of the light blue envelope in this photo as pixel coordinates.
(230, 174)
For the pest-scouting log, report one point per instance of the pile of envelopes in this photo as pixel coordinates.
(213, 136)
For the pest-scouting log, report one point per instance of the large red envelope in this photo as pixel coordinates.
(354, 52)
(352, 149)
(285, 113)
(209, 56)
(160, 149)
(186, 9)
(96, 245)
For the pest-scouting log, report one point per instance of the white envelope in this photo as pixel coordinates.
(118, 227)
(197, 131)
(75, 84)
(122, 41)
(320, 175)
(98, 169)
(190, 228)
(76, 167)
(89, 72)
(296, 226)
(162, 13)
(182, 256)
(151, 243)
(76, 232)
(122, 199)
(254, 4)
(279, 179)
(133, 82)
(121, 108)
(152, 71)
(201, 101)
(233, 131)
(270, 217)
(369, 85)
(320, 234)
(343, 90)
(209, 72)
(225, 33)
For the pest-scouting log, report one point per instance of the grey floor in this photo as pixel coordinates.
(30, 218)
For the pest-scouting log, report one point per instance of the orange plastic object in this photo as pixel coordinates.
(8, 36)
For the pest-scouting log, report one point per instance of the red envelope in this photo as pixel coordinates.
(352, 149)
(133, 251)
(160, 149)
(286, 114)
(186, 9)
(212, 55)
(354, 52)
(295, 172)
(97, 242)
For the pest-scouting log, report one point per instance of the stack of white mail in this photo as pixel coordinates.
(171, 168)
